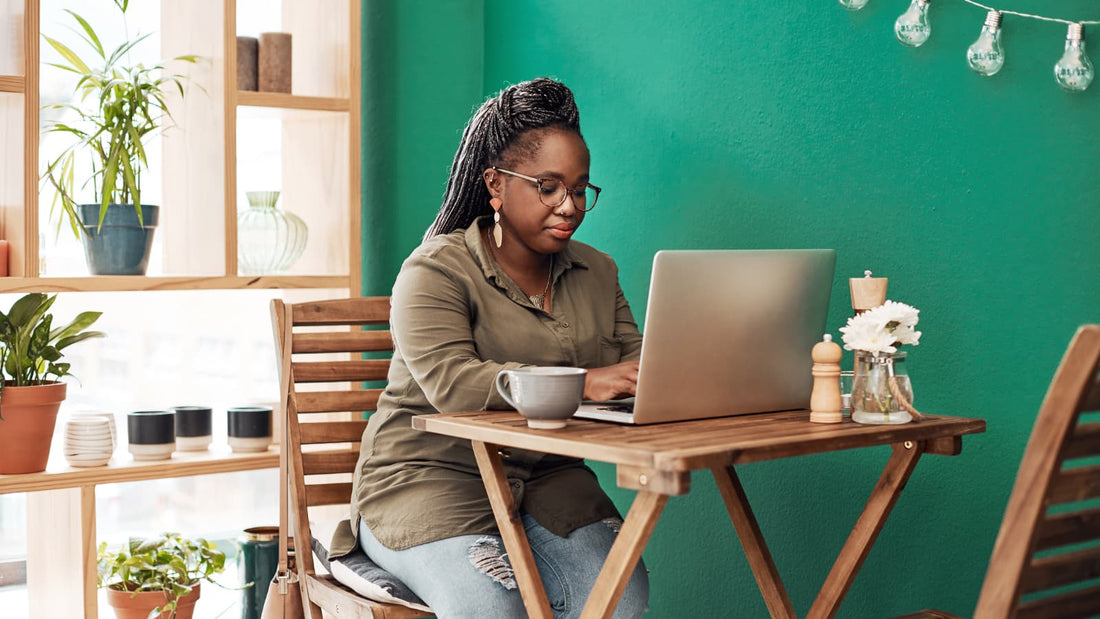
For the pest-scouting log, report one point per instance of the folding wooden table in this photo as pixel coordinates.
(657, 461)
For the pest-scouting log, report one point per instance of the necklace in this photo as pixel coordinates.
(538, 300)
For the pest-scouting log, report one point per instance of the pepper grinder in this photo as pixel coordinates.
(867, 291)
(825, 401)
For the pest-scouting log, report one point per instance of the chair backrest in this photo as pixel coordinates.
(321, 373)
(1046, 560)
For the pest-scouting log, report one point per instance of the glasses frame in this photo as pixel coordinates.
(568, 191)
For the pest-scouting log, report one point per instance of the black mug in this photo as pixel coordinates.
(249, 428)
(193, 427)
(151, 434)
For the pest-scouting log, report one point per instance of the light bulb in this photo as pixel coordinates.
(1074, 70)
(986, 56)
(853, 5)
(912, 28)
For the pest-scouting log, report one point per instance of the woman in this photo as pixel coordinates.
(497, 284)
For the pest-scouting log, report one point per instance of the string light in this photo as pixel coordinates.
(1073, 71)
(986, 56)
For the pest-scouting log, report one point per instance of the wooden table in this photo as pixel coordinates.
(657, 461)
(61, 523)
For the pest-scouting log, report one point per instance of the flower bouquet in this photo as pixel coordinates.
(881, 392)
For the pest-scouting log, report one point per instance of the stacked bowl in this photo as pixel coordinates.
(88, 441)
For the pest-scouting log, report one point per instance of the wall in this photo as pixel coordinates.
(763, 125)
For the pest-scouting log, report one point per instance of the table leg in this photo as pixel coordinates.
(752, 540)
(883, 497)
(624, 555)
(511, 531)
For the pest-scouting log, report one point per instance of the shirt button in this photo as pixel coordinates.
(565, 325)
(516, 483)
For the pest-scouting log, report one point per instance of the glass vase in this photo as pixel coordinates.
(269, 239)
(873, 401)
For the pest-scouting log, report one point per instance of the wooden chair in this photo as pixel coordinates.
(321, 447)
(1044, 559)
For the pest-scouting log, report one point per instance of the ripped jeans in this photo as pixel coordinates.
(470, 576)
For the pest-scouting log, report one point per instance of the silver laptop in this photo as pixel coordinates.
(727, 332)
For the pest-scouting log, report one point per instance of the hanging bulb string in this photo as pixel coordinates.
(1030, 16)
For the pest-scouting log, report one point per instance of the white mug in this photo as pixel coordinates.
(546, 396)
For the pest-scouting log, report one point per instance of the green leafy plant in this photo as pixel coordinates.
(30, 348)
(169, 562)
(120, 106)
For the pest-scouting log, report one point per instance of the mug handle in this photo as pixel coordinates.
(503, 376)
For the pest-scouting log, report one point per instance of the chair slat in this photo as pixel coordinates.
(342, 341)
(1079, 484)
(321, 462)
(1061, 569)
(328, 494)
(1092, 399)
(332, 432)
(360, 311)
(314, 470)
(340, 371)
(1068, 528)
(347, 604)
(1085, 441)
(356, 400)
(1081, 603)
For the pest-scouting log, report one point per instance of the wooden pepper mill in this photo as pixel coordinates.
(867, 291)
(825, 401)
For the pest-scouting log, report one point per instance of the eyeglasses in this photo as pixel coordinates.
(552, 192)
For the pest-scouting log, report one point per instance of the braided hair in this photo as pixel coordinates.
(503, 130)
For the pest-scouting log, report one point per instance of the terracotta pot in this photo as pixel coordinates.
(29, 415)
(128, 605)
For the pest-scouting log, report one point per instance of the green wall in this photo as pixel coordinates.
(717, 124)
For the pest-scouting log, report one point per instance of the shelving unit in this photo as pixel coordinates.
(318, 125)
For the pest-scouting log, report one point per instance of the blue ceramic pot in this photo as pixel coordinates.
(121, 245)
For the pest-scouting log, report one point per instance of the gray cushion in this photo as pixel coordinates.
(356, 571)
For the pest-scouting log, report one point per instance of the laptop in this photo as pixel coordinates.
(727, 332)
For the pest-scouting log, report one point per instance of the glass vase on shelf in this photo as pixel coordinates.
(874, 401)
(269, 239)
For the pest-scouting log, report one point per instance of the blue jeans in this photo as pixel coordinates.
(470, 575)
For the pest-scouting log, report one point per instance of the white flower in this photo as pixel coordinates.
(882, 329)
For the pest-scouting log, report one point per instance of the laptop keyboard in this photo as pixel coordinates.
(617, 408)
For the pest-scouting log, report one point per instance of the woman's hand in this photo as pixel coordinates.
(611, 382)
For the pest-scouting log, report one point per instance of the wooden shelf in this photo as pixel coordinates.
(11, 83)
(121, 283)
(122, 468)
(248, 98)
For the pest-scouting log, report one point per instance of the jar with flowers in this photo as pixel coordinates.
(881, 391)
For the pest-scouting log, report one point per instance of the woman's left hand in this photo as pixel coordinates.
(611, 382)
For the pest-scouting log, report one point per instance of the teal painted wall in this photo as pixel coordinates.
(718, 124)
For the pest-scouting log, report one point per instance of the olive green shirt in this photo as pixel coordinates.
(457, 319)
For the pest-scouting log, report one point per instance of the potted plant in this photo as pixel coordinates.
(31, 369)
(120, 105)
(159, 576)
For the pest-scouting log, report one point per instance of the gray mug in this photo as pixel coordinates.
(546, 396)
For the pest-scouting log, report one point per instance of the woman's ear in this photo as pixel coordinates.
(493, 182)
